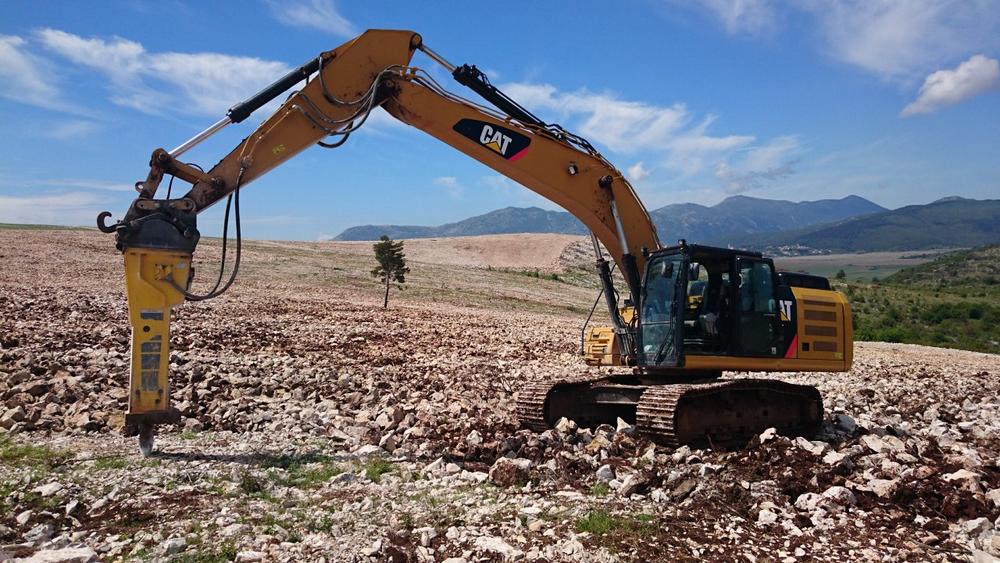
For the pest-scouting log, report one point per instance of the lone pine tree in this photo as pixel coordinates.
(391, 264)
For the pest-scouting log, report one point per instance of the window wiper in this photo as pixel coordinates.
(660, 352)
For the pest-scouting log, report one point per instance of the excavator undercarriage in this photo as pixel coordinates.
(719, 413)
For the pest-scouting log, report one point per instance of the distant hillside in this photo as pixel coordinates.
(950, 301)
(504, 221)
(950, 222)
(977, 267)
(726, 222)
(729, 221)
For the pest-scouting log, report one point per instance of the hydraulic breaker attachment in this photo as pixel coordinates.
(148, 276)
(157, 239)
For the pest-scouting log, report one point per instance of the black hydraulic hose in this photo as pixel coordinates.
(216, 291)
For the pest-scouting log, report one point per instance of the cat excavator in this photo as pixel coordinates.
(680, 314)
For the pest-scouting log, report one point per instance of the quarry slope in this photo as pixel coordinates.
(317, 425)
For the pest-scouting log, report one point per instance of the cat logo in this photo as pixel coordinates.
(494, 139)
(786, 310)
(509, 144)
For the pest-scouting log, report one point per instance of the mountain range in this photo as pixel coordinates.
(727, 221)
(849, 224)
(951, 222)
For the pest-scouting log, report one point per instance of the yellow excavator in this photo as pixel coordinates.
(686, 312)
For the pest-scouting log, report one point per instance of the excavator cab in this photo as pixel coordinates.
(701, 301)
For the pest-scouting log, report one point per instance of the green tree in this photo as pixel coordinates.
(391, 264)
(841, 274)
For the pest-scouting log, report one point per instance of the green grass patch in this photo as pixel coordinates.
(307, 470)
(376, 467)
(225, 552)
(597, 522)
(601, 522)
(600, 490)
(14, 454)
(110, 463)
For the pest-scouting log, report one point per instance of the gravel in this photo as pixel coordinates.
(318, 425)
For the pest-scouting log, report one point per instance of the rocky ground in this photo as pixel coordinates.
(320, 427)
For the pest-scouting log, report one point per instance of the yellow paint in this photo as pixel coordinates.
(150, 299)
(600, 347)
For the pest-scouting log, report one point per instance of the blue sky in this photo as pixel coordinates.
(696, 101)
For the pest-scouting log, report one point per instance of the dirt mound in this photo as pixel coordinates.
(517, 251)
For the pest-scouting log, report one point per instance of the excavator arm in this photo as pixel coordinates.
(158, 236)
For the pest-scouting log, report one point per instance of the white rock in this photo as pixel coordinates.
(496, 545)
(833, 458)
(23, 517)
(965, 479)
(65, 555)
(766, 517)
(768, 435)
(474, 438)
(375, 548)
(173, 545)
(883, 487)
(815, 448)
(873, 443)
(977, 527)
(625, 427)
(473, 476)
(368, 449)
(808, 501)
(436, 466)
(566, 427)
(233, 530)
(605, 474)
(249, 557)
(48, 489)
(841, 496)
(994, 495)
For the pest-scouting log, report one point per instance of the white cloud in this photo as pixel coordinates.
(620, 125)
(450, 185)
(895, 39)
(637, 172)
(947, 87)
(670, 134)
(214, 82)
(904, 39)
(755, 167)
(739, 16)
(24, 77)
(87, 184)
(70, 130)
(74, 208)
(316, 14)
(198, 83)
(623, 125)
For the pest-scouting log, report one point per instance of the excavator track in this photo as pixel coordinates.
(718, 413)
(533, 399)
(727, 412)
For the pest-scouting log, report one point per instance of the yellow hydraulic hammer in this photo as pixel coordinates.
(157, 239)
(151, 295)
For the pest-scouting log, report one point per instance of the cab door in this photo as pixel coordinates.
(661, 311)
(757, 321)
